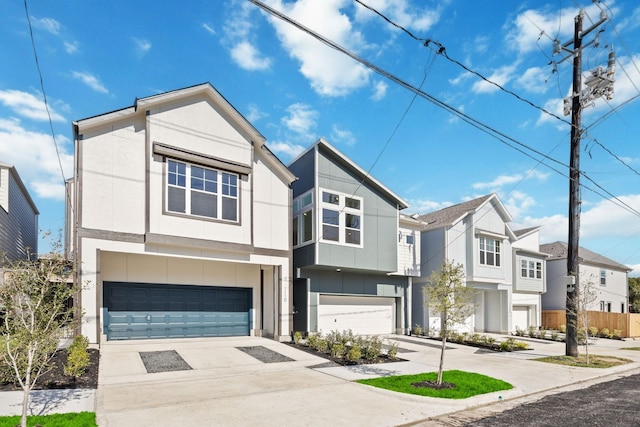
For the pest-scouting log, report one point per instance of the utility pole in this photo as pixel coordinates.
(598, 84)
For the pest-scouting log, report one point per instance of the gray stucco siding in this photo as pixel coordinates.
(350, 283)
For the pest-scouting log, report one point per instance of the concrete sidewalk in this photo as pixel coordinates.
(229, 387)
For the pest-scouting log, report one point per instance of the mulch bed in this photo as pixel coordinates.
(433, 384)
(56, 379)
(342, 361)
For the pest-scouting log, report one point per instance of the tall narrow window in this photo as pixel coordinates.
(603, 277)
(303, 219)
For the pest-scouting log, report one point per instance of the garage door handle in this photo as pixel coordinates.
(148, 318)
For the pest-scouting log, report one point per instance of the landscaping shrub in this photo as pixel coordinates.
(417, 330)
(77, 357)
(542, 334)
(372, 348)
(337, 349)
(593, 331)
(604, 333)
(475, 338)
(554, 335)
(297, 337)
(563, 329)
(354, 354)
(617, 333)
(532, 331)
(519, 332)
(323, 345)
(392, 351)
(313, 341)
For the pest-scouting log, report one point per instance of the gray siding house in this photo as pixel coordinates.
(18, 216)
(346, 240)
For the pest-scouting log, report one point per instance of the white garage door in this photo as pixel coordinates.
(363, 315)
(520, 317)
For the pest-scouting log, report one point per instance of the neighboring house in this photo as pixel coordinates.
(354, 256)
(607, 279)
(529, 279)
(18, 216)
(475, 234)
(180, 222)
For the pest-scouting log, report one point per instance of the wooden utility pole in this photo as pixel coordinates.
(573, 264)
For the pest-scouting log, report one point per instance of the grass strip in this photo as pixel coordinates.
(72, 419)
(595, 361)
(467, 384)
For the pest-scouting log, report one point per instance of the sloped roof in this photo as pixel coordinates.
(449, 216)
(560, 250)
(525, 231)
(349, 164)
(232, 115)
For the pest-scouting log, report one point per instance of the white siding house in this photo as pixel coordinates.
(607, 279)
(475, 234)
(180, 222)
(529, 279)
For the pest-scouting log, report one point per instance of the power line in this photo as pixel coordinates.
(441, 50)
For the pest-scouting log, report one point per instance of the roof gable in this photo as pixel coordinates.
(454, 214)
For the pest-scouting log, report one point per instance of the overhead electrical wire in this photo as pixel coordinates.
(470, 120)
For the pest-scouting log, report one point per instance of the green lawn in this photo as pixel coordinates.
(467, 384)
(74, 419)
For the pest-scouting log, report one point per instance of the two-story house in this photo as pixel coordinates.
(18, 216)
(606, 279)
(348, 239)
(180, 222)
(529, 279)
(475, 234)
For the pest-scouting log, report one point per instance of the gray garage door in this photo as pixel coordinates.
(142, 310)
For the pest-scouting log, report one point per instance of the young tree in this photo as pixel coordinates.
(586, 296)
(448, 295)
(35, 297)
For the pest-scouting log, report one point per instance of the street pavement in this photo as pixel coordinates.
(229, 387)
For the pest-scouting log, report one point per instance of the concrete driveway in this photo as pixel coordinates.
(228, 387)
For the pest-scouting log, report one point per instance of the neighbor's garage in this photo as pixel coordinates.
(520, 317)
(363, 315)
(142, 310)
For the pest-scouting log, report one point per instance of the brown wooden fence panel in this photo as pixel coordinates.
(627, 323)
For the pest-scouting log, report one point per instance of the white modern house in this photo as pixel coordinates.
(529, 279)
(18, 216)
(606, 278)
(180, 222)
(477, 235)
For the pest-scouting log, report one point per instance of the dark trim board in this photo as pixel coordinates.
(147, 310)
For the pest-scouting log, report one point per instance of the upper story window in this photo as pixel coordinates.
(341, 218)
(199, 191)
(409, 239)
(303, 219)
(603, 277)
(489, 251)
(530, 269)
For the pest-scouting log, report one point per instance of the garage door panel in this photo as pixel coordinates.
(136, 311)
(363, 315)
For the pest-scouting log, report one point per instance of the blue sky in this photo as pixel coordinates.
(98, 56)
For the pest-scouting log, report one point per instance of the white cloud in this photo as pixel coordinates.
(453, 118)
(248, 57)
(329, 72)
(90, 80)
(208, 28)
(28, 105)
(554, 228)
(379, 91)
(534, 80)
(422, 206)
(517, 202)
(503, 180)
(401, 12)
(500, 76)
(606, 218)
(34, 156)
(461, 78)
(342, 135)
(71, 47)
(285, 149)
(142, 45)
(301, 120)
(255, 113)
(47, 24)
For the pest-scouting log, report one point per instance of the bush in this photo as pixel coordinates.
(475, 338)
(593, 331)
(542, 334)
(617, 333)
(507, 344)
(354, 354)
(77, 357)
(604, 333)
(554, 335)
(372, 348)
(519, 332)
(338, 349)
(563, 329)
(417, 330)
(392, 351)
(532, 331)
(323, 345)
(297, 336)
(313, 341)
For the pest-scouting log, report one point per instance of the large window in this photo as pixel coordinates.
(303, 219)
(199, 191)
(341, 218)
(489, 252)
(530, 269)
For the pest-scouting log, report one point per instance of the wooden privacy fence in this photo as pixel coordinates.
(628, 323)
